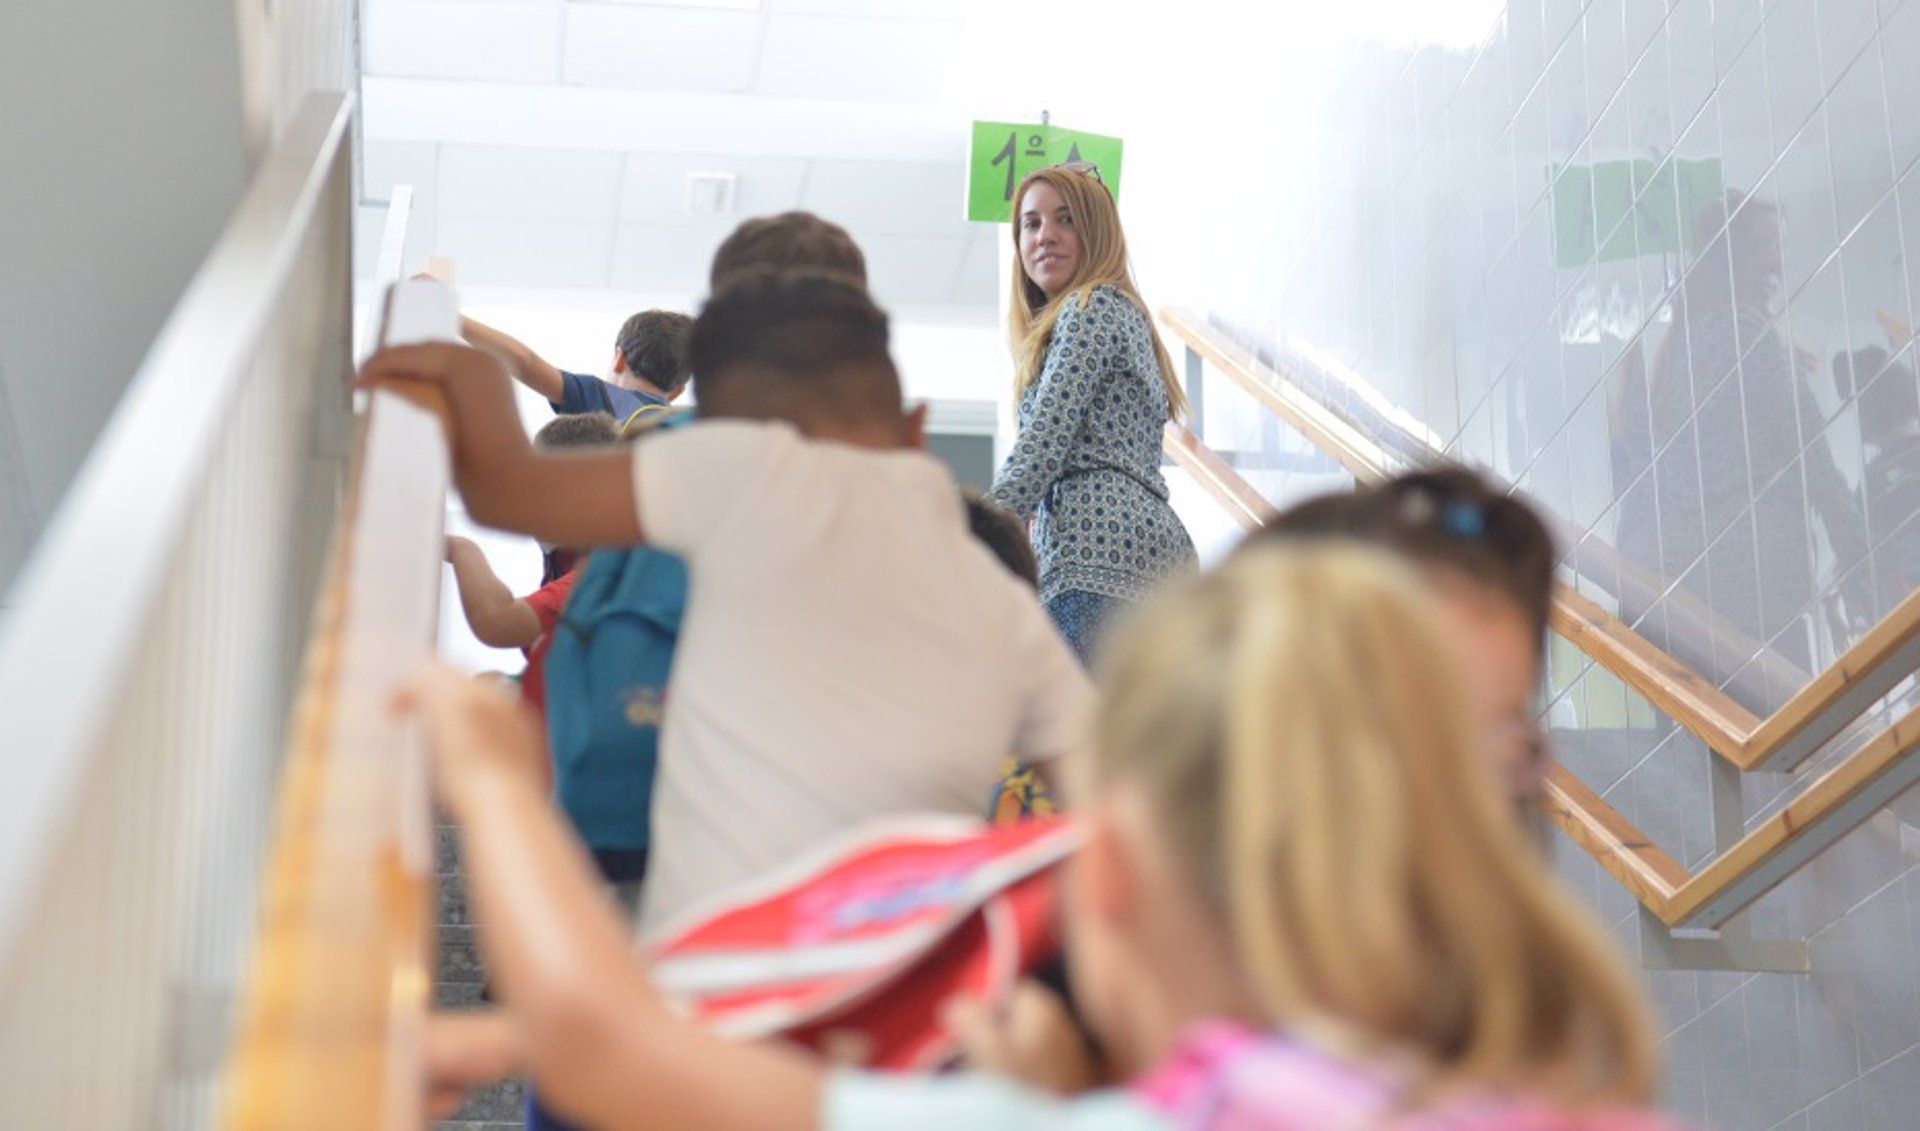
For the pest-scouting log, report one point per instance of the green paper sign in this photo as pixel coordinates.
(1005, 152)
(1617, 210)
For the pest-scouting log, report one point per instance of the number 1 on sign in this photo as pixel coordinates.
(1006, 154)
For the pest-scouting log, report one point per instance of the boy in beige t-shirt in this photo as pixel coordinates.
(849, 651)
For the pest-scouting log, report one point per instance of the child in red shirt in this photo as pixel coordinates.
(497, 617)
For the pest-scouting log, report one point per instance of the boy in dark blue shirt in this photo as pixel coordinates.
(649, 367)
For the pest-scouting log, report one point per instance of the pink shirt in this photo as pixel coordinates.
(1223, 1077)
(1226, 1077)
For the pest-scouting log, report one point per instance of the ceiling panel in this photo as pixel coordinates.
(979, 278)
(470, 39)
(671, 258)
(654, 188)
(912, 270)
(563, 161)
(857, 57)
(660, 49)
(576, 186)
(905, 9)
(580, 117)
(890, 197)
(524, 253)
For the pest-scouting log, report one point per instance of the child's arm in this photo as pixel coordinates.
(602, 1045)
(467, 1049)
(497, 617)
(526, 366)
(582, 498)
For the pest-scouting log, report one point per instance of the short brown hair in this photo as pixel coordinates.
(1001, 531)
(794, 345)
(1446, 517)
(788, 241)
(654, 342)
(577, 430)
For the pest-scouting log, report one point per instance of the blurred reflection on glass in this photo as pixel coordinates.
(1709, 465)
(1890, 431)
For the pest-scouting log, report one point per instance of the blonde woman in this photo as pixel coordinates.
(1094, 386)
(1300, 904)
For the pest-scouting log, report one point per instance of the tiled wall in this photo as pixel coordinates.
(1654, 263)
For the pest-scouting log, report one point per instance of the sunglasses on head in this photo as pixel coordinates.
(1085, 169)
(1471, 516)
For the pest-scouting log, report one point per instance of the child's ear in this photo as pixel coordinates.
(619, 362)
(1109, 873)
(916, 427)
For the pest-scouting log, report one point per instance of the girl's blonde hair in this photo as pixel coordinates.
(1103, 262)
(1296, 725)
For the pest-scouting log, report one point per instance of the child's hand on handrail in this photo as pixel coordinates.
(465, 386)
(445, 364)
(477, 735)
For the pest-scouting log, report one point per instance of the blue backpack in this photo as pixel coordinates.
(607, 677)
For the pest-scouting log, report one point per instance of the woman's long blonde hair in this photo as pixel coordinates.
(1296, 724)
(1103, 262)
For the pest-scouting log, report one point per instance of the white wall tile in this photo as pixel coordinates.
(1885, 1099)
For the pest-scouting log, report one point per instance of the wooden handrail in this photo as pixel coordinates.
(1214, 474)
(1836, 803)
(1825, 704)
(1641, 866)
(330, 1025)
(1676, 689)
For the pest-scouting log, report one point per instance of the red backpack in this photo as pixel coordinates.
(852, 952)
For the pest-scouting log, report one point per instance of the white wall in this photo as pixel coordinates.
(128, 133)
(1366, 186)
(123, 157)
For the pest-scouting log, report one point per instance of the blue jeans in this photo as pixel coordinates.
(1082, 618)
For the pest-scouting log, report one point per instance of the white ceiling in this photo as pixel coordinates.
(549, 142)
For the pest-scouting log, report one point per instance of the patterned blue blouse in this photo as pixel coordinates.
(1087, 462)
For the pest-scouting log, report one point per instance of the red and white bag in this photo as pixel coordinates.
(853, 951)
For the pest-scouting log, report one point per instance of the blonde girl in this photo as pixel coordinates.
(1094, 388)
(1301, 903)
